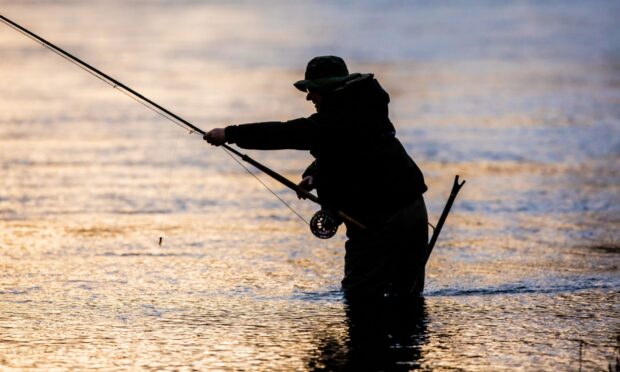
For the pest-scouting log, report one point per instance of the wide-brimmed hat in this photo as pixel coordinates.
(324, 72)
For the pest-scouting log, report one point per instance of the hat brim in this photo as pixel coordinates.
(304, 85)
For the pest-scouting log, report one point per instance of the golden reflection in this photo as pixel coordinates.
(89, 182)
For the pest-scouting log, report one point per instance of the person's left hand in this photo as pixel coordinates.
(215, 136)
(306, 184)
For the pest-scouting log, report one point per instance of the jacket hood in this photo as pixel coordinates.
(364, 87)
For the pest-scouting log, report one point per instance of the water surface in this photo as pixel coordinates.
(521, 99)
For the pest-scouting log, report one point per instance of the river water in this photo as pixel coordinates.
(520, 98)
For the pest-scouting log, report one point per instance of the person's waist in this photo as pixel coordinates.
(375, 219)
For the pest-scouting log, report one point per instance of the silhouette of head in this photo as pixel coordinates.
(324, 72)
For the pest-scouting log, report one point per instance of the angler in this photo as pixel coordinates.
(361, 168)
(362, 173)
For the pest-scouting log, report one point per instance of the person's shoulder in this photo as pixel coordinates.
(355, 83)
(365, 88)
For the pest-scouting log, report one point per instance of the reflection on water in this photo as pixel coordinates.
(520, 99)
(386, 335)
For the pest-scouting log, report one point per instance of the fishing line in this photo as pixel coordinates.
(138, 98)
(161, 113)
(94, 72)
(114, 86)
(104, 77)
(167, 183)
(179, 121)
(265, 185)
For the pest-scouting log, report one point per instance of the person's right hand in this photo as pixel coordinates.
(215, 136)
(307, 184)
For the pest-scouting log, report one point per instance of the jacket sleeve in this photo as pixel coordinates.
(297, 134)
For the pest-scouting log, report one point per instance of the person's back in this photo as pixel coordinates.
(361, 167)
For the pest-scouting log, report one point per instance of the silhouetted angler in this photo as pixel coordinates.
(360, 167)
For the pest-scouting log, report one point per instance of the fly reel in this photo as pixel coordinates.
(324, 224)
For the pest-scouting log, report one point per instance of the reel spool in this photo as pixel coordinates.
(324, 224)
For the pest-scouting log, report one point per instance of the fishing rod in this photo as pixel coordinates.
(323, 224)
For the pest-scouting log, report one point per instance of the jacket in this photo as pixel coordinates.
(360, 166)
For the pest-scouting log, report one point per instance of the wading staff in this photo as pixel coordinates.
(173, 117)
(456, 187)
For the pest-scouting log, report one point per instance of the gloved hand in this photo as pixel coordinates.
(307, 184)
(215, 136)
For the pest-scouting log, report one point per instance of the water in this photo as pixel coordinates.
(522, 99)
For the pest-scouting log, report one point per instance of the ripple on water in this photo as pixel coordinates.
(524, 276)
